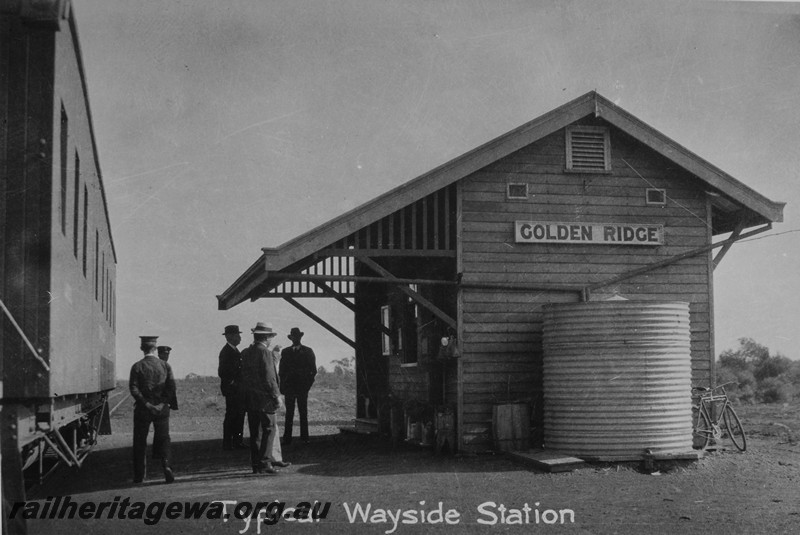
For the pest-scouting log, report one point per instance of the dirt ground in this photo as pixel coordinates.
(726, 492)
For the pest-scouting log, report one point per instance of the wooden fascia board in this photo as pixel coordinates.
(713, 176)
(434, 180)
(240, 290)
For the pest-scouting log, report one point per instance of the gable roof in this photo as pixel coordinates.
(753, 206)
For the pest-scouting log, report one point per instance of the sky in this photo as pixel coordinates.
(225, 127)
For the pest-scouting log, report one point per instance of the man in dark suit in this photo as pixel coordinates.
(230, 375)
(298, 368)
(152, 386)
(261, 395)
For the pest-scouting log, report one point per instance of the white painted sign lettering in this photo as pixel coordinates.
(589, 233)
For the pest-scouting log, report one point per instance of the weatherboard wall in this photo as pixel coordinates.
(501, 329)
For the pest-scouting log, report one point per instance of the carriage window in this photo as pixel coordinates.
(96, 263)
(64, 161)
(77, 203)
(85, 224)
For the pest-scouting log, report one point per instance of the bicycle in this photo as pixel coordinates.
(714, 419)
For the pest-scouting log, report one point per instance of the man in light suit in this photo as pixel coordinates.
(274, 451)
(261, 394)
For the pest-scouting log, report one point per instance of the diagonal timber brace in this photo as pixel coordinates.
(330, 292)
(322, 322)
(671, 260)
(436, 311)
(725, 248)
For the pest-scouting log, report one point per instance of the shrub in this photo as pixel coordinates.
(762, 377)
(774, 390)
(772, 367)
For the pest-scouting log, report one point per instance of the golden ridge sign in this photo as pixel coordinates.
(590, 233)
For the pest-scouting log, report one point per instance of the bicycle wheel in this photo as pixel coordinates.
(735, 429)
(702, 432)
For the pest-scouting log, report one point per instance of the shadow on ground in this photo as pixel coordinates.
(337, 456)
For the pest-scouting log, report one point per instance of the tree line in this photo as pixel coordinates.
(343, 374)
(762, 377)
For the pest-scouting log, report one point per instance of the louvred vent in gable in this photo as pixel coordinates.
(587, 149)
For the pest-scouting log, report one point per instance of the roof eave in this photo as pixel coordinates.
(429, 182)
(240, 290)
(295, 250)
(706, 171)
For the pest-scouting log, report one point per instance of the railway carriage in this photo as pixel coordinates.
(58, 263)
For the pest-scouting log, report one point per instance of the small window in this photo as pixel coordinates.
(588, 149)
(97, 264)
(656, 196)
(113, 314)
(386, 340)
(517, 191)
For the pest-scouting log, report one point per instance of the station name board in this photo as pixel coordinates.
(591, 233)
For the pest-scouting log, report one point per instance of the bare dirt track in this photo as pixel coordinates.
(753, 492)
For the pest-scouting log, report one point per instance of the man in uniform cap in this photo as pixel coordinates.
(153, 387)
(261, 394)
(298, 369)
(163, 354)
(230, 378)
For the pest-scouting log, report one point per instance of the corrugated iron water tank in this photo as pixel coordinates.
(617, 379)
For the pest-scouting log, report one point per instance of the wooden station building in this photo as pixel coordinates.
(583, 203)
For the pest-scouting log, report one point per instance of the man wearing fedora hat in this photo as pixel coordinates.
(230, 378)
(152, 387)
(298, 369)
(261, 394)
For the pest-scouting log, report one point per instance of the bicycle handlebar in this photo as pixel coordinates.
(707, 389)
